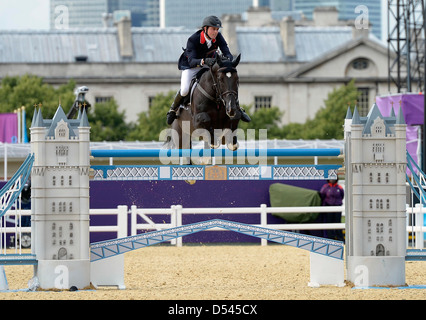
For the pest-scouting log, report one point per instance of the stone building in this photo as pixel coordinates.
(291, 64)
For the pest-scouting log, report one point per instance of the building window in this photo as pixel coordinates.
(70, 180)
(262, 102)
(61, 150)
(70, 207)
(363, 104)
(102, 99)
(360, 64)
(54, 181)
(62, 180)
(53, 211)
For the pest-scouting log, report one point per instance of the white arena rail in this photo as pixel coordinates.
(175, 212)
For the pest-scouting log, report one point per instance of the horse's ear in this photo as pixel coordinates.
(236, 61)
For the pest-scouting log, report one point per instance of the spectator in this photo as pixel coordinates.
(332, 195)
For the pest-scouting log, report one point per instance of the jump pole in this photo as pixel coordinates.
(156, 153)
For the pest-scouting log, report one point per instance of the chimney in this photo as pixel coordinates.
(325, 16)
(360, 30)
(125, 37)
(230, 23)
(287, 36)
(259, 17)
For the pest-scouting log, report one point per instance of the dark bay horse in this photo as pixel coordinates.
(213, 113)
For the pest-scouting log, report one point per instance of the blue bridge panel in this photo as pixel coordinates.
(106, 249)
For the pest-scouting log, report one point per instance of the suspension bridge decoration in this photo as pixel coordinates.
(105, 249)
(12, 189)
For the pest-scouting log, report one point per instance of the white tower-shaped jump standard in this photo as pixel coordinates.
(60, 200)
(375, 160)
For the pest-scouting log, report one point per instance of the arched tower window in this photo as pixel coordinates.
(380, 250)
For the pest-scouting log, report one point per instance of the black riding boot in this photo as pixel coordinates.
(244, 116)
(171, 115)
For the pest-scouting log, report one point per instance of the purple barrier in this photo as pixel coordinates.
(9, 127)
(202, 194)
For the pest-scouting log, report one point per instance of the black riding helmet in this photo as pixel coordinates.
(212, 21)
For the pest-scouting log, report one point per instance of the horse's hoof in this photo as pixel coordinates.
(233, 147)
(215, 146)
(205, 161)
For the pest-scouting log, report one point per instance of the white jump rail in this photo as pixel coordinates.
(15, 216)
(175, 212)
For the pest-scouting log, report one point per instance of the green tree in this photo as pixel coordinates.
(152, 122)
(328, 121)
(29, 90)
(107, 123)
(264, 118)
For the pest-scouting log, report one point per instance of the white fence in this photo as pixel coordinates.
(415, 214)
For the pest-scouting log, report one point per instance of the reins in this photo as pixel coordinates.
(220, 95)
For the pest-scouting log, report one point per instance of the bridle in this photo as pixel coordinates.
(220, 96)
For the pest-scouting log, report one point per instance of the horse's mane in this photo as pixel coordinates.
(226, 66)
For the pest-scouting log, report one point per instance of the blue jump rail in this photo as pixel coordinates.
(156, 153)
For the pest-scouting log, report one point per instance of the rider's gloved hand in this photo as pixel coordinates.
(209, 61)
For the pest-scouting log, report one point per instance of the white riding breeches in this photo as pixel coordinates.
(185, 80)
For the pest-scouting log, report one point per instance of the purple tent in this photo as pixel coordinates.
(9, 127)
(412, 105)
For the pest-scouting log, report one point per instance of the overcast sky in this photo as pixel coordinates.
(24, 14)
(34, 14)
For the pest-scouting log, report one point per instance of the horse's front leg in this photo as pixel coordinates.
(215, 140)
(231, 139)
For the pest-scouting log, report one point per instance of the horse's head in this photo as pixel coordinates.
(228, 82)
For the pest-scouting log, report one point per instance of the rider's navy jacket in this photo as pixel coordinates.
(197, 49)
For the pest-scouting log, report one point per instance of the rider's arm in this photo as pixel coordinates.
(224, 46)
(191, 51)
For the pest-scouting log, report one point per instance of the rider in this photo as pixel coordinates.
(195, 56)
